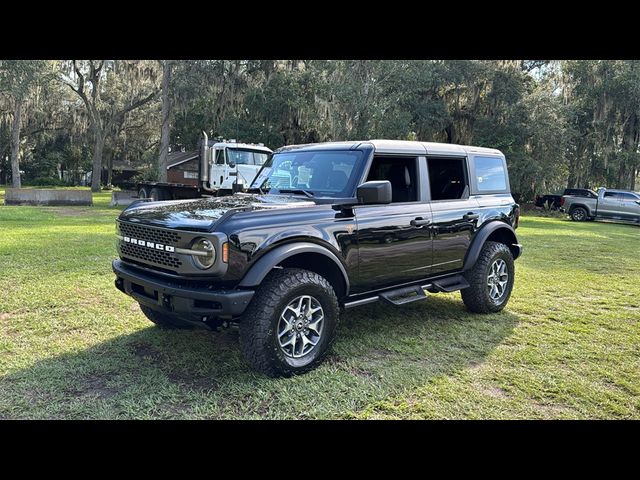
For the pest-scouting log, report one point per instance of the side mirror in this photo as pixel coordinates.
(375, 191)
(232, 164)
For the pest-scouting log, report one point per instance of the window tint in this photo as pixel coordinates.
(611, 195)
(490, 174)
(628, 196)
(402, 174)
(331, 174)
(447, 178)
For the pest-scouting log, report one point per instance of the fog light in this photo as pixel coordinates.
(206, 253)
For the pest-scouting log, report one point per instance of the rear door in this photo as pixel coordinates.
(455, 212)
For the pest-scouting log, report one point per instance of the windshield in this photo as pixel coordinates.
(246, 157)
(320, 173)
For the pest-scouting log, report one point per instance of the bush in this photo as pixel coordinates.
(46, 182)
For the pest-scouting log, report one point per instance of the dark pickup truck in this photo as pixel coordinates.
(554, 202)
(323, 228)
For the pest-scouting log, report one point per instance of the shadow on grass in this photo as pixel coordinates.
(381, 351)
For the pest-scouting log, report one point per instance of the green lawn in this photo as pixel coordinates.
(568, 345)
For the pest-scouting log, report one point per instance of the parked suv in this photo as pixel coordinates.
(324, 228)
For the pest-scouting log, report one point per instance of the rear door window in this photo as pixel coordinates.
(489, 174)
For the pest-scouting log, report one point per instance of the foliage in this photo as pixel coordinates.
(560, 123)
(46, 182)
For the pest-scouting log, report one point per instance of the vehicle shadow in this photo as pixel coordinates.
(381, 351)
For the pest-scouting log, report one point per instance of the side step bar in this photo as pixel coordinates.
(403, 296)
(400, 296)
(450, 284)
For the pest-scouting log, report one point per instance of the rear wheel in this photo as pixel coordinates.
(158, 194)
(290, 324)
(490, 280)
(163, 320)
(579, 214)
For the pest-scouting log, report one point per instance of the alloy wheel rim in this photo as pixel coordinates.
(300, 326)
(497, 279)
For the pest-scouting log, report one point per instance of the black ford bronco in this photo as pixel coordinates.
(322, 228)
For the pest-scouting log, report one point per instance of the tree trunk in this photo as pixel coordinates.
(166, 113)
(15, 143)
(110, 169)
(96, 175)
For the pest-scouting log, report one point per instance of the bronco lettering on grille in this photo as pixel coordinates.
(144, 243)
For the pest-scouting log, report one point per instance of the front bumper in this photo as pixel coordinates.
(192, 302)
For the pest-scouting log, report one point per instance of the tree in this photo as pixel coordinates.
(109, 91)
(166, 114)
(17, 80)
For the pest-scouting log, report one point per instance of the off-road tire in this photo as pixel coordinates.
(258, 325)
(579, 214)
(476, 297)
(164, 321)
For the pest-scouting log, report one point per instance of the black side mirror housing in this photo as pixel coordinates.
(232, 165)
(374, 192)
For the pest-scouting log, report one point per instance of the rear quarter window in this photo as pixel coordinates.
(490, 174)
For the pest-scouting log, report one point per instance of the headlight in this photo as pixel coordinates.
(207, 257)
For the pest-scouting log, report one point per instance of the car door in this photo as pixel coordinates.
(609, 205)
(218, 168)
(629, 206)
(394, 240)
(455, 213)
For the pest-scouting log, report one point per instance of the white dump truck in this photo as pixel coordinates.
(220, 167)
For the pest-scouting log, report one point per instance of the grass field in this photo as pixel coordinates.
(567, 346)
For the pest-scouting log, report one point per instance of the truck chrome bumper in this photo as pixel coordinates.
(188, 302)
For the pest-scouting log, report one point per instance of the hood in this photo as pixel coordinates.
(202, 214)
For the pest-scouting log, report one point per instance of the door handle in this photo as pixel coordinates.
(471, 216)
(419, 221)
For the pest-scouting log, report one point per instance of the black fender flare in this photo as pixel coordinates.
(265, 264)
(481, 237)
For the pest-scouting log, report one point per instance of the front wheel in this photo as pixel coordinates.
(490, 280)
(290, 323)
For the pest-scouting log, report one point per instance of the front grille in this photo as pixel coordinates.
(149, 255)
(145, 254)
(150, 234)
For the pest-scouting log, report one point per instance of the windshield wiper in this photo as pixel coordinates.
(297, 190)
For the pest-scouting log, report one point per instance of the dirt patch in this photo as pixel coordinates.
(493, 391)
(4, 316)
(71, 211)
(94, 386)
(144, 350)
(361, 372)
(379, 353)
(192, 381)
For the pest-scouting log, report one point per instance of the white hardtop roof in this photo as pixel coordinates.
(400, 146)
(248, 146)
(430, 148)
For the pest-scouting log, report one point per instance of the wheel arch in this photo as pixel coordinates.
(305, 255)
(495, 231)
(573, 206)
